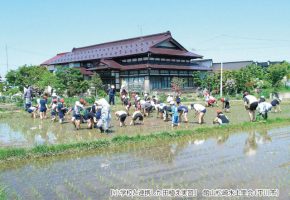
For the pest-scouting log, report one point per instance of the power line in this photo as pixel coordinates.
(258, 39)
(28, 51)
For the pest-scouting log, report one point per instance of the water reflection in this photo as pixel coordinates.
(255, 139)
(8, 137)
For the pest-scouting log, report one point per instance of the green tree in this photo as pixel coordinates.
(97, 84)
(177, 84)
(70, 80)
(36, 76)
(276, 73)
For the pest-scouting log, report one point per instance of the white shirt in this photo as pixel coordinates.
(32, 108)
(170, 98)
(103, 102)
(264, 107)
(198, 107)
(135, 113)
(121, 112)
(251, 99)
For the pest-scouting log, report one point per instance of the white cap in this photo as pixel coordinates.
(78, 103)
(171, 103)
(138, 98)
(112, 86)
(145, 94)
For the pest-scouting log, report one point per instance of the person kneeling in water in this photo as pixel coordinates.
(137, 115)
(221, 118)
(121, 116)
(33, 111)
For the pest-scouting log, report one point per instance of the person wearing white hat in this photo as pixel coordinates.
(111, 94)
(76, 119)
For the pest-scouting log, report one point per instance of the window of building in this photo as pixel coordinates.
(154, 72)
(157, 59)
(151, 58)
(167, 60)
(139, 59)
(174, 72)
(163, 59)
(164, 72)
(145, 58)
(134, 59)
(124, 73)
(190, 82)
(187, 61)
(134, 72)
(183, 72)
(183, 61)
(177, 60)
(143, 72)
(129, 60)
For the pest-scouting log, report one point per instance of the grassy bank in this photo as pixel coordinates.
(50, 150)
(3, 194)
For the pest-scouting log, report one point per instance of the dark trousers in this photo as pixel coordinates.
(112, 99)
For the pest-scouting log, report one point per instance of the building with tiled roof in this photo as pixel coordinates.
(148, 62)
(236, 65)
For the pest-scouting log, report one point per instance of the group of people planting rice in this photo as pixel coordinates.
(99, 114)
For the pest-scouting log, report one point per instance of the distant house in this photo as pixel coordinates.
(236, 65)
(147, 62)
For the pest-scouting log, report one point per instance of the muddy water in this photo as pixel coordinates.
(22, 131)
(252, 160)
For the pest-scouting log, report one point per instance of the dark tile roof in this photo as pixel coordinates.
(120, 48)
(231, 65)
(113, 65)
(53, 59)
(174, 52)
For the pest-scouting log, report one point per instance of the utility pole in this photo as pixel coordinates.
(6, 49)
(221, 83)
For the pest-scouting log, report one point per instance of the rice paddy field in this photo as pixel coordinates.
(20, 130)
(249, 159)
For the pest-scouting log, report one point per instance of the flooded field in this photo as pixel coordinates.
(256, 159)
(20, 130)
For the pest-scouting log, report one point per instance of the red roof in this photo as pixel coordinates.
(85, 72)
(120, 48)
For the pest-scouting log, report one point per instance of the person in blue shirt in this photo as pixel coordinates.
(43, 107)
(175, 114)
(111, 94)
(178, 100)
(183, 111)
(61, 110)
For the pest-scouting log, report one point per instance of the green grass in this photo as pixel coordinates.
(50, 150)
(3, 193)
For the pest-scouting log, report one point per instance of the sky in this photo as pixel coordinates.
(223, 30)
